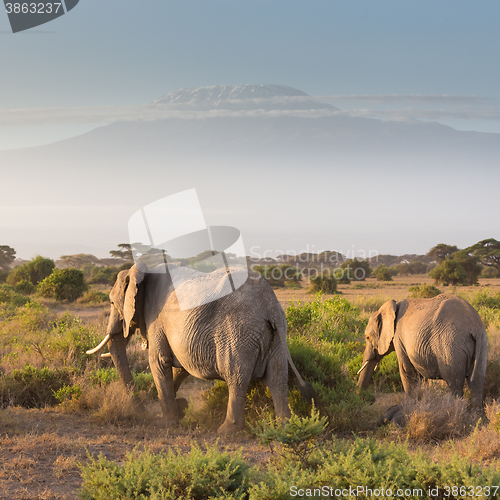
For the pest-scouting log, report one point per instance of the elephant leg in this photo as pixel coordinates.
(409, 376)
(276, 380)
(235, 416)
(476, 391)
(179, 376)
(160, 362)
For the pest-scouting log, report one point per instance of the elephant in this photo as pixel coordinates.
(438, 338)
(235, 338)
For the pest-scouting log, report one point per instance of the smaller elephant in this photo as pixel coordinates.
(439, 338)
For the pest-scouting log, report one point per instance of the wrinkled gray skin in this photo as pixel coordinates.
(235, 338)
(439, 338)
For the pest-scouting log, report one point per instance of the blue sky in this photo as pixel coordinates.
(389, 59)
(122, 52)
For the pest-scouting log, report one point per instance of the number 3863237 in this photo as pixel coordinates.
(32, 8)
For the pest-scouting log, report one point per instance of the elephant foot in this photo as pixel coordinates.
(230, 428)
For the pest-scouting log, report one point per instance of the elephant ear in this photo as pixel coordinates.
(117, 294)
(387, 320)
(134, 298)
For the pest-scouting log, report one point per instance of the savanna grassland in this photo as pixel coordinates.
(69, 430)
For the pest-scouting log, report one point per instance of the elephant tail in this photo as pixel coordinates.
(480, 360)
(306, 389)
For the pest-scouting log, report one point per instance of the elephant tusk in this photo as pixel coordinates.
(106, 355)
(100, 346)
(362, 368)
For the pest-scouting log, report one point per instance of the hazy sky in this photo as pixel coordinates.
(431, 60)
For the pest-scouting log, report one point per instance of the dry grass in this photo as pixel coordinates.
(432, 414)
(369, 303)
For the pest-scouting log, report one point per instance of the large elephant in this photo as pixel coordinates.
(235, 338)
(439, 338)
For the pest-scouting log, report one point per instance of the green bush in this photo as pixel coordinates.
(424, 292)
(374, 467)
(94, 297)
(167, 476)
(327, 319)
(458, 269)
(10, 297)
(103, 275)
(412, 267)
(490, 272)
(279, 276)
(323, 284)
(69, 339)
(353, 270)
(25, 287)
(33, 387)
(449, 272)
(297, 435)
(367, 467)
(383, 273)
(63, 284)
(322, 364)
(34, 271)
(68, 393)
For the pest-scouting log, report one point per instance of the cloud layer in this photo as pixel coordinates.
(426, 107)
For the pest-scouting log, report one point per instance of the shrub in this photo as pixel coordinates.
(323, 284)
(167, 475)
(327, 319)
(382, 273)
(103, 275)
(437, 415)
(10, 297)
(449, 272)
(323, 365)
(424, 292)
(375, 467)
(413, 267)
(63, 284)
(34, 271)
(278, 276)
(297, 435)
(354, 270)
(25, 287)
(94, 297)
(32, 387)
(490, 272)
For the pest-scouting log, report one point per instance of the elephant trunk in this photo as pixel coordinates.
(370, 361)
(118, 349)
(366, 375)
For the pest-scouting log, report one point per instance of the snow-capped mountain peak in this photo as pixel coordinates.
(248, 96)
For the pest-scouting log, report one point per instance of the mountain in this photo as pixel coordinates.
(270, 160)
(243, 97)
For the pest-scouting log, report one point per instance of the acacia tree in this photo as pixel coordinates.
(125, 252)
(7, 256)
(487, 252)
(441, 252)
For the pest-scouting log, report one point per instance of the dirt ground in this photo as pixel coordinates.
(40, 449)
